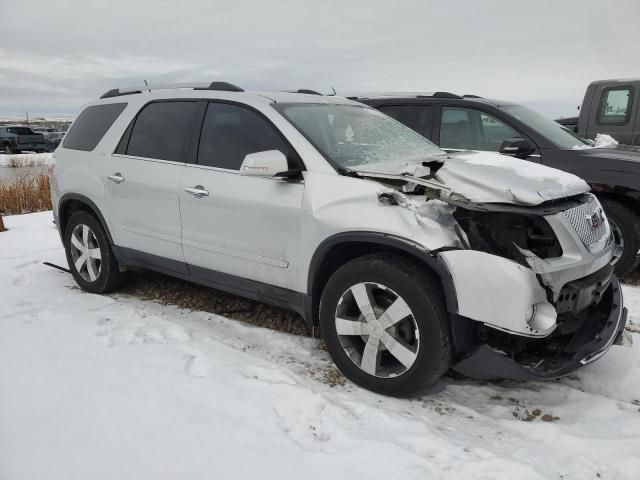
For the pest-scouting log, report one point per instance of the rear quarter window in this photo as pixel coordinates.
(91, 125)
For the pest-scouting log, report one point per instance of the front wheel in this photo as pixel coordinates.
(89, 255)
(625, 225)
(384, 323)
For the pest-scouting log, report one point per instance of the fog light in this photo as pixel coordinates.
(541, 318)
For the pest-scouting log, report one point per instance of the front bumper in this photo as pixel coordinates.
(604, 327)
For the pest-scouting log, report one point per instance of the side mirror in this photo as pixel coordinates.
(517, 146)
(264, 164)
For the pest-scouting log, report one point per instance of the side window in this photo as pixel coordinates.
(418, 118)
(615, 106)
(465, 128)
(91, 125)
(161, 129)
(230, 132)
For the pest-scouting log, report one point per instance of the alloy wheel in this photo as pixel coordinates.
(85, 253)
(377, 330)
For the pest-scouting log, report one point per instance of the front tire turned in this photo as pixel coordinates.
(384, 323)
(89, 255)
(626, 232)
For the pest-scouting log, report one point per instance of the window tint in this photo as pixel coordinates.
(91, 125)
(230, 133)
(469, 129)
(552, 131)
(20, 130)
(418, 118)
(615, 106)
(160, 130)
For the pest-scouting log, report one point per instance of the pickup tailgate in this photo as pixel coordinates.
(32, 139)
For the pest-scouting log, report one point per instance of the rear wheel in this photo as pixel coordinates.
(384, 324)
(89, 255)
(625, 225)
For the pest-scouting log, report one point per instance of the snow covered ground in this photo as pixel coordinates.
(113, 387)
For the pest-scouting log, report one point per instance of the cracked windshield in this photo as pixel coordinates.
(352, 136)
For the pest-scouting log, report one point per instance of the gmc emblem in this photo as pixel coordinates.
(595, 219)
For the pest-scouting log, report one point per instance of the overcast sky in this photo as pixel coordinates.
(54, 56)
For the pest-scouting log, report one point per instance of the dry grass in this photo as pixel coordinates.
(20, 161)
(25, 192)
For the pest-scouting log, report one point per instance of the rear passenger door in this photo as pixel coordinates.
(143, 181)
(244, 226)
(417, 117)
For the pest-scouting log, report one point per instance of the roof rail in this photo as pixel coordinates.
(407, 95)
(471, 96)
(308, 92)
(220, 86)
(445, 95)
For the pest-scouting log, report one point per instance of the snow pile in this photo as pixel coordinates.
(605, 141)
(602, 140)
(106, 387)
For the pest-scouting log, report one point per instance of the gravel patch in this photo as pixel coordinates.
(172, 291)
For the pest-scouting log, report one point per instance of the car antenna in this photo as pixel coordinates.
(145, 82)
(334, 91)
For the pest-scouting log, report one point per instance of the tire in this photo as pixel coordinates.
(626, 224)
(427, 355)
(95, 275)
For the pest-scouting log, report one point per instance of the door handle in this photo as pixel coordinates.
(197, 191)
(116, 177)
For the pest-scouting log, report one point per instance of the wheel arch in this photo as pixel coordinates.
(625, 196)
(72, 202)
(338, 249)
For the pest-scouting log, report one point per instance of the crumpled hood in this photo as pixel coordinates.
(483, 177)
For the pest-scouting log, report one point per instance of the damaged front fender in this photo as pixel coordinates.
(500, 293)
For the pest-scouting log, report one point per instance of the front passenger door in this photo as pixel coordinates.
(470, 129)
(243, 226)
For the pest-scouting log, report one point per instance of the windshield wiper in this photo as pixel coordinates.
(348, 173)
(434, 166)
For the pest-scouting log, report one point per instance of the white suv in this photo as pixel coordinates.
(407, 260)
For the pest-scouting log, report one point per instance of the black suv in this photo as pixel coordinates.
(470, 122)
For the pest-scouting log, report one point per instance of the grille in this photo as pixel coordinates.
(581, 220)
